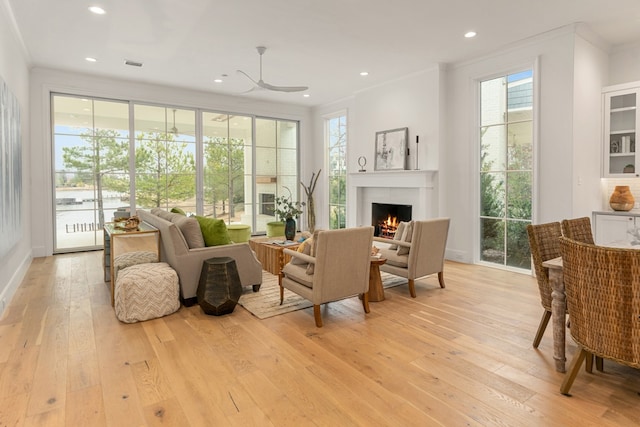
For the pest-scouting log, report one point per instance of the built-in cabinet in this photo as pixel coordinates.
(614, 226)
(621, 118)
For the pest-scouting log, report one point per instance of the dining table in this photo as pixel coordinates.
(558, 311)
(559, 303)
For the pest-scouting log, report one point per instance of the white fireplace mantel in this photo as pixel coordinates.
(394, 179)
(415, 187)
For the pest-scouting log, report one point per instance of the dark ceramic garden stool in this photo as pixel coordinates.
(219, 288)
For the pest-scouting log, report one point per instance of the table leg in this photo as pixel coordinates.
(558, 316)
(376, 291)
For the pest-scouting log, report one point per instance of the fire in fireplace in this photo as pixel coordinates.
(385, 217)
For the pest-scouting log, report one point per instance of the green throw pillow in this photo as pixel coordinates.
(214, 231)
(178, 211)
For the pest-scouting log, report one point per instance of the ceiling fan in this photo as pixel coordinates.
(260, 84)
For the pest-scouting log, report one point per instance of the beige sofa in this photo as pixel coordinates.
(187, 261)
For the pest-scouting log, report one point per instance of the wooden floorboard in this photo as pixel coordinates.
(459, 356)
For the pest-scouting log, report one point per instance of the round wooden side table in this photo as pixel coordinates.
(376, 291)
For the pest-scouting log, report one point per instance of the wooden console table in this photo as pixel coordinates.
(118, 242)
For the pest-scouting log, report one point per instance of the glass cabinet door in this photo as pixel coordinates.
(621, 118)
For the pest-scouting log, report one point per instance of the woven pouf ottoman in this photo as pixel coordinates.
(146, 291)
(239, 233)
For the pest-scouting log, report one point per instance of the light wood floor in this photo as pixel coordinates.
(452, 357)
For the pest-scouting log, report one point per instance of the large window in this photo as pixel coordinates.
(165, 157)
(203, 162)
(506, 147)
(336, 143)
(91, 158)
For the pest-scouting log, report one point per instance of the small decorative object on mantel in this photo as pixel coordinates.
(417, 141)
(621, 199)
(391, 149)
(362, 162)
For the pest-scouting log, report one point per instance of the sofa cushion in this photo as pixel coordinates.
(299, 274)
(394, 259)
(304, 248)
(398, 235)
(214, 231)
(190, 228)
(178, 211)
(406, 237)
(162, 213)
(314, 245)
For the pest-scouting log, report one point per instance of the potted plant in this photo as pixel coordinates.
(286, 210)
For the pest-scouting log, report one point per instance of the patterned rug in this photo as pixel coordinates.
(266, 302)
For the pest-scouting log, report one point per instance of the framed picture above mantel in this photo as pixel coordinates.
(391, 149)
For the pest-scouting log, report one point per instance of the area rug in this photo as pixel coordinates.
(266, 302)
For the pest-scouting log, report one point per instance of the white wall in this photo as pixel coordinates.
(590, 76)
(553, 53)
(624, 64)
(45, 81)
(413, 101)
(15, 72)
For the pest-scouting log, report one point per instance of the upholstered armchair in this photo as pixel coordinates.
(419, 253)
(337, 268)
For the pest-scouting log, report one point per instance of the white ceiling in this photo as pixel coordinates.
(323, 44)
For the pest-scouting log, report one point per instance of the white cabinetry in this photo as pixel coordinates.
(621, 119)
(613, 226)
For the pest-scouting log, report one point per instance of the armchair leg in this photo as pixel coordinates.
(441, 278)
(541, 328)
(588, 366)
(600, 364)
(365, 302)
(281, 294)
(412, 288)
(317, 315)
(570, 376)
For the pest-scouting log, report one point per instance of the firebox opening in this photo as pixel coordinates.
(385, 218)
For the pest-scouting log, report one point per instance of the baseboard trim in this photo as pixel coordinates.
(16, 279)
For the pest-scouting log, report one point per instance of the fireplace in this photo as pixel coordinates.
(385, 217)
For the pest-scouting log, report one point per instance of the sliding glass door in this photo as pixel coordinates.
(113, 155)
(91, 156)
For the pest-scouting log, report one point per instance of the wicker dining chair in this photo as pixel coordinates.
(578, 229)
(602, 285)
(543, 241)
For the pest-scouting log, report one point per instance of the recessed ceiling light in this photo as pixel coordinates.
(218, 81)
(470, 34)
(306, 95)
(364, 73)
(97, 10)
(90, 59)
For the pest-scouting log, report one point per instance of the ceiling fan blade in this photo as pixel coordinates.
(261, 84)
(253, 89)
(282, 88)
(248, 76)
